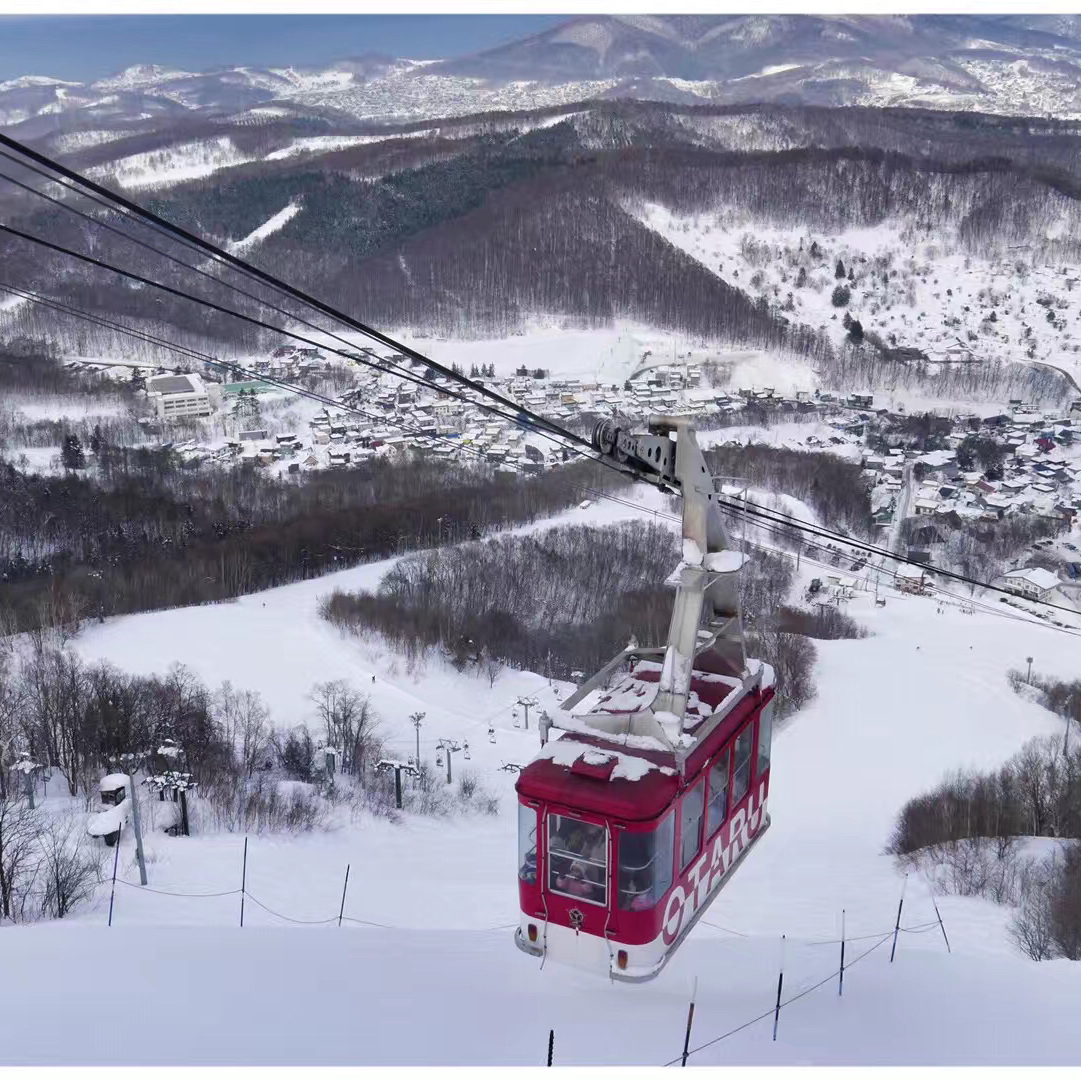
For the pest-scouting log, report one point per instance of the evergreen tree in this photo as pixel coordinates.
(138, 382)
(71, 453)
(840, 296)
(839, 270)
(95, 440)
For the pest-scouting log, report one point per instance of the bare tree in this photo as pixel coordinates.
(1031, 928)
(69, 867)
(245, 721)
(349, 721)
(18, 831)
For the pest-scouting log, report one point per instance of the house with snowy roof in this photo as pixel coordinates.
(1032, 582)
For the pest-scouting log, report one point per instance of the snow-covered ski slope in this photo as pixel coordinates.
(439, 980)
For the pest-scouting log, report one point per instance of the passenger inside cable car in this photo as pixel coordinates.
(577, 859)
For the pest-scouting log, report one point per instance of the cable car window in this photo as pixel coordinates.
(765, 734)
(718, 792)
(527, 844)
(741, 777)
(645, 865)
(690, 826)
(577, 859)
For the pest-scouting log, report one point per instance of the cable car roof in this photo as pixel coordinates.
(580, 772)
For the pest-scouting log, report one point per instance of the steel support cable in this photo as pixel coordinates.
(813, 530)
(312, 302)
(791, 522)
(204, 358)
(213, 362)
(228, 311)
(539, 422)
(146, 337)
(384, 367)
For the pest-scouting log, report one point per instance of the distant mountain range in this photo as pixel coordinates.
(1011, 64)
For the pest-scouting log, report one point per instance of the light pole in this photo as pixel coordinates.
(1029, 679)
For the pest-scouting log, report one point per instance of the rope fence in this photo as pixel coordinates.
(339, 918)
(837, 973)
(773, 1010)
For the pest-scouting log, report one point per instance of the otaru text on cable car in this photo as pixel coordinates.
(632, 819)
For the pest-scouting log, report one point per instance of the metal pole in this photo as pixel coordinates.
(941, 924)
(116, 860)
(897, 926)
(780, 983)
(30, 787)
(551, 1044)
(398, 786)
(341, 910)
(690, 1020)
(243, 880)
(450, 754)
(841, 973)
(136, 825)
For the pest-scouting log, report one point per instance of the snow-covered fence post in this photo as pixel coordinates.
(551, 1044)
(690, 1020)
(116, 860)
(780, 984)
(841, 973)
(243, 880)
(341, 910)
(897, 925)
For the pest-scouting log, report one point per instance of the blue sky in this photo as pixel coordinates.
(89, 47)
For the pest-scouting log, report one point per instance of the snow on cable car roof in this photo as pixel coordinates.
(638, 690)
(568, 752)
(633, 789)
(113, 782)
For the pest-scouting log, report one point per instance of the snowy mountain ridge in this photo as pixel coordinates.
(1000, 64)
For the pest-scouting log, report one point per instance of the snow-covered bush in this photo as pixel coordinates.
(261, 806)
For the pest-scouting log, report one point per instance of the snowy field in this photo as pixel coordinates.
(924, 695)
(934, 296)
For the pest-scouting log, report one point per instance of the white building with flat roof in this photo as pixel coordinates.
(176, 396)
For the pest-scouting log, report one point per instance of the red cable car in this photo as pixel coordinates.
(655, 790)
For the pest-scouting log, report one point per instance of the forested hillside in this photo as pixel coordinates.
(474, 226)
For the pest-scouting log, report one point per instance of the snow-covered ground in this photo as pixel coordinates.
(924, 695)
(912, 288)
(186, 161)
(271, 225)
